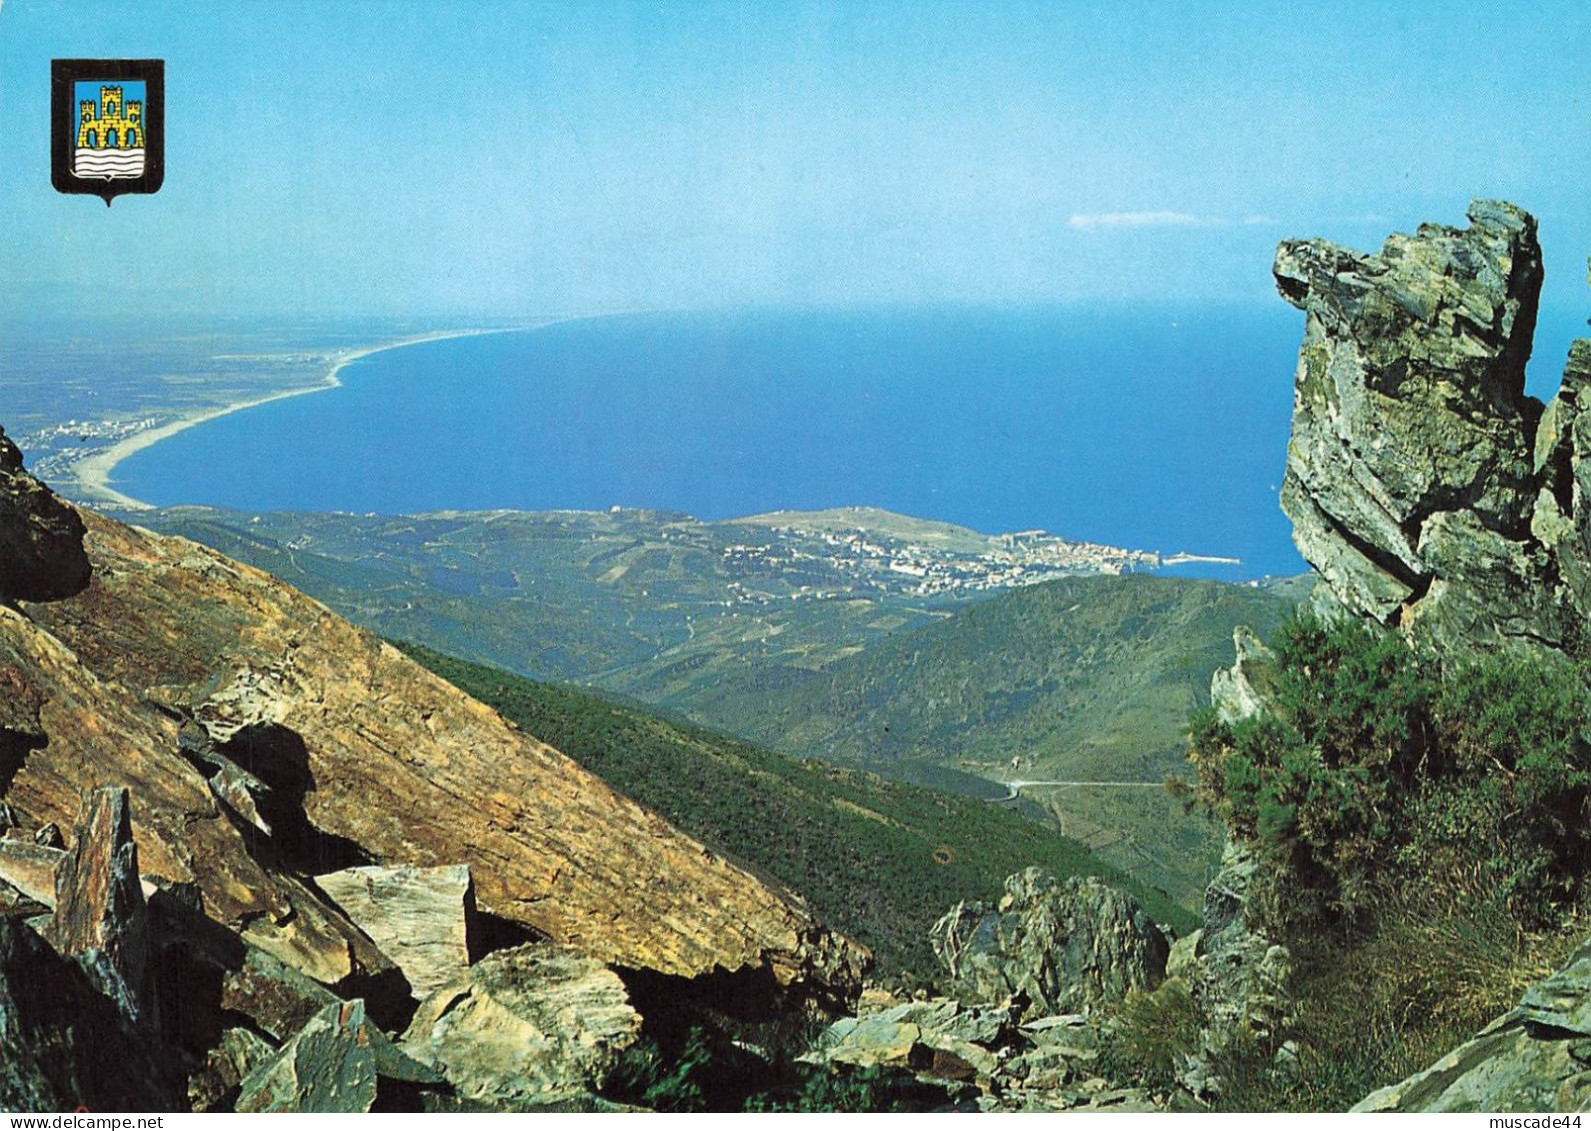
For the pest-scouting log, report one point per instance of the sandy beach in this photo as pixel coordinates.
(93, 474)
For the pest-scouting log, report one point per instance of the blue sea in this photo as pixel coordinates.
(1158, 429)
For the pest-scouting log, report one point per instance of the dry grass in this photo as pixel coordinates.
(1440, 965)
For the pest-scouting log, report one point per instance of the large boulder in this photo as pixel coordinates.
(1057, 946)
(1536, 1057)
(535, 1021)
(41, 538)
(1412, 472)
(419, 917)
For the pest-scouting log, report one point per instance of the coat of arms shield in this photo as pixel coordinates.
(107, 126)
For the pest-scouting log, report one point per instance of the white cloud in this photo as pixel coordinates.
(1108, 221)
(1095, 221)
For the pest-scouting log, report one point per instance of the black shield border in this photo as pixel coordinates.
(64, 73)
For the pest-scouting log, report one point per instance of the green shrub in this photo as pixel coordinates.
(1375, 769)
(1421, 824)
(1511, 732)
(1354, 692)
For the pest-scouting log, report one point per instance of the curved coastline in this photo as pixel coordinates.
(93, 474)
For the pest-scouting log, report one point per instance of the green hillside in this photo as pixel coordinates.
(878, 859)
(1083, 678)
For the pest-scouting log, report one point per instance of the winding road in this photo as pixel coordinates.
(1017, 786)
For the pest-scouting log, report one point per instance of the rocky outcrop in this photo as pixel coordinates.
(982, 1053)
(1246, 687)
(280, 829)
(1430, 493)
(1031, 977)
(99, 731)
(65, 1044)
(1055, 946)
(1237, 977)
(99, 901)
(41, 538)
(1418, 464)
(1562, 517)
(1536, 1057)
(526, 1023)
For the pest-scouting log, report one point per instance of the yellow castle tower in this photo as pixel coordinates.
(110, 124)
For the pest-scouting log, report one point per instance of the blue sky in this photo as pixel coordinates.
(508, 159)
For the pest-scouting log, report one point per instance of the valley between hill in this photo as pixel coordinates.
(878, 859)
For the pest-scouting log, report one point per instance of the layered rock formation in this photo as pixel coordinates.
(1431, 494)
(1425, 487)
(314, 820)
(363, 757)
(1054, 946)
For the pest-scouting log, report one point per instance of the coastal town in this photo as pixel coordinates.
(835, 563)
(62, 448)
